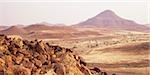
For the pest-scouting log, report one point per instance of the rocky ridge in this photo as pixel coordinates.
(23, 57)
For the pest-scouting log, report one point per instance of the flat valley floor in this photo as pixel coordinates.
(117, 51)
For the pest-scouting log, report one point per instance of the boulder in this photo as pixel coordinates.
(20, 70)
(2, 65)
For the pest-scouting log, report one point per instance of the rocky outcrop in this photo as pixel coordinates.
(23, 57)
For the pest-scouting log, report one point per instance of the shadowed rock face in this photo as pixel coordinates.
(23, 57)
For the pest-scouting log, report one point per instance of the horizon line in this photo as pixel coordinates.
(71, 1)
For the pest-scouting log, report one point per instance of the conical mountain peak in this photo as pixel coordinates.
(108, 19)
(107, 13)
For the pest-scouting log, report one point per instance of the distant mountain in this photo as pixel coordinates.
(108, 19)
(14, 30)
(148, 25)
(49, 24)
(2, 27)
(41, 27)
(36, 27)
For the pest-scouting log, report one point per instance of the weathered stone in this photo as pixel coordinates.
(104, 73)
(85, 70)
(36, 54)
(37, 63)
(42, 58)
(40, 47)
(9, 71)
(3, 48)
(8, 61)
(19, 58)
(96, 69)
(51, 72)
(27, 64)
(36, 72)
(26, 53)
(23, 57)
(82, 61)
(20, 70)
(59, 69)
(2, 64)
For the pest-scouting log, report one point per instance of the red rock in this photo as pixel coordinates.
(27, 64)
(9, 71)
(8, 61)
(19, 58)
(38, 63)
(85, 70)
(59, 69)
(2, 64)
(20, 70)
(42, 58)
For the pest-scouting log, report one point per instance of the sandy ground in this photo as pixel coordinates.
(123, 52)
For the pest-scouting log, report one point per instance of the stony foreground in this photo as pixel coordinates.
(23, 57)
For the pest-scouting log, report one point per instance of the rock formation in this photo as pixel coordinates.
(23, 57)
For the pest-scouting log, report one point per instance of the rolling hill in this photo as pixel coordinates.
(14, 30)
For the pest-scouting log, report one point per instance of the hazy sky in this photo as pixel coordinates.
(26, 12)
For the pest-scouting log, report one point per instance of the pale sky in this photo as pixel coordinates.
(27, 12)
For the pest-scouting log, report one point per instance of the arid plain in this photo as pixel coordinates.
(120, 52)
